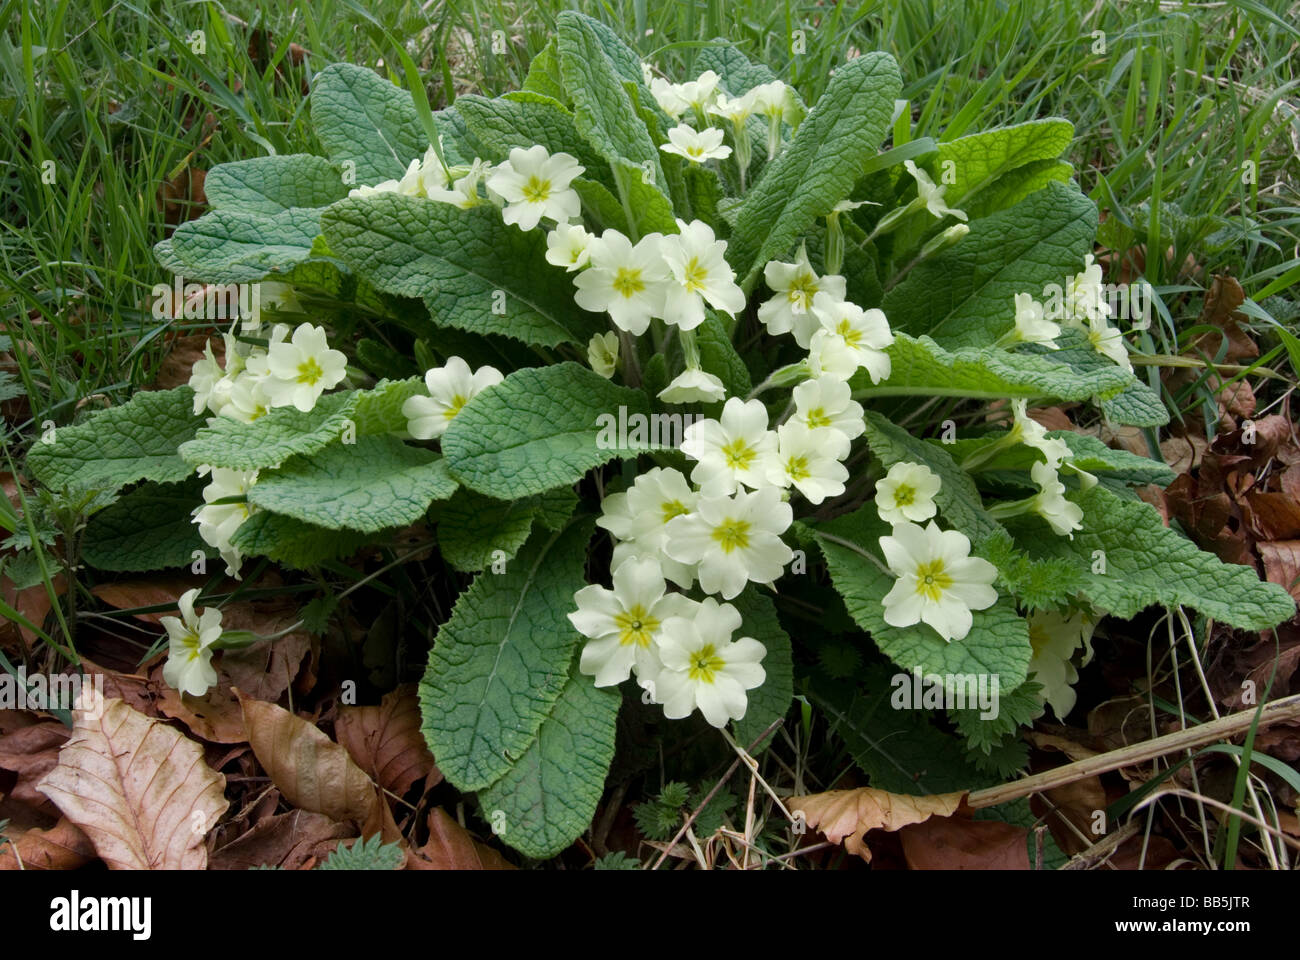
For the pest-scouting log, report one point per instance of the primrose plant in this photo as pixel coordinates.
(665, 363)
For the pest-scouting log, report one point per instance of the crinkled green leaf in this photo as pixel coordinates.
(150, 528)
(1087, 453)
(1013, 186)
(525, 119)
(361, 117)
(603, 112)
(544, 74)
(920, 366)
(1146, 564)
(120, 445)
(500, 663)
(475, 272)
(379, 409)
(979, 160)
(772, 700)
(240, 246)
(274, 184)
(547, 798)
(271, 439)
(958, 500)
(472, 528)
(965, 295)
(998, 642)
(539, 429)
(828, 155)
(1137, 405)
(739, 74)
(374, 483)
(294, 543)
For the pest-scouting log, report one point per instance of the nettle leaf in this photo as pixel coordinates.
(1137, 405)
(1146, 564)
(1088, 453)
(475, 272)
(958, 499)
(543, 427)
(1036, 584)
(981, 159)
(362, 118)
(772, 700)
(921, 366)
(374, 483)
(828, 155)
(241, 246)
(271, 439)
(120, 445)
(524, 119)
(294, 543)
(603, 112)
(1016, 708)
(150, 528)
(998, 642)
(274, 184)
(498, 666)
(372, 854)
(546, 800)
(965, 295)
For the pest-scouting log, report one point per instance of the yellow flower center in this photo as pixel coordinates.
(695, 276)
(635, 626)
(628, 283)
(190, 644)
(309, 371)
(803, 289)
(932, 581)
(904, 496)
(457, 404)
(845, 330)
(817, 418)
(738, 454)
(705, 664)
(732, 535)
(695, 152)
(537, 190)
(797, 468)
(672, 508)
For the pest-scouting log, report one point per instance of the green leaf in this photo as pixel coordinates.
(719, 357)
(150, 528)
(965, 295)
(549, 795)
(270, 439)
(981, 159)
(772, 700)
(475, 272)
(361, 117)
(958, 499)
(998, 642)
(240, 246)
(541, 428)
(374, 483)
(294, 543)
(1146, 563)
(120, 445)
(603, 112)
(1135, 406)
(525, 119)
(739, 74)
(500, 663)
(919, 366)
(379, 409)
(372, 854)
(828, 155)
(472, 527)
(1012, 187)
(1088, 453)
(1016, 708)
(544, 74)
(274, 184)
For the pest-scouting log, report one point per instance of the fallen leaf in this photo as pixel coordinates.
(138, 788)
(1282, 564)
(182, 354)
(848, 815)
(450, 847)
(62, 847)
(287, 840)
(943, 843)
(386, 741)
(31, 753)
(313, 772)
(216, 716)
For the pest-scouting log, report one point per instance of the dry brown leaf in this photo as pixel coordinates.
(312, 771)
(941, 843)
(31, 753)
(1050, 741)
(215, 716)
(849, 814)
(138, 788)
(61, 847)
(450, 847)
(386, 740)
(1282, 564)
(287, 840)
